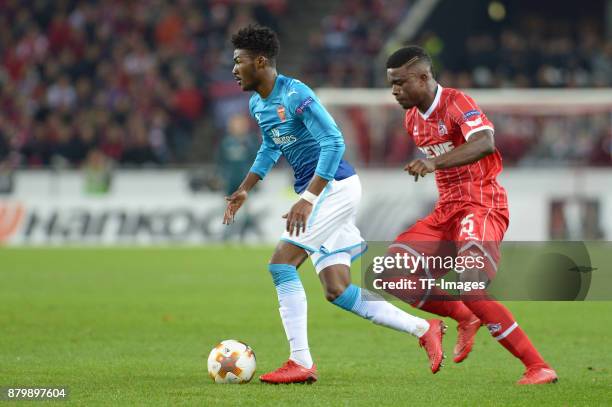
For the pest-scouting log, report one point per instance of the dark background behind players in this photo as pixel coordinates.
(148, 86)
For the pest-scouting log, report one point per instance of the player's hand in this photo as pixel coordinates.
(297, 217)
(234, 202)
(420, 167)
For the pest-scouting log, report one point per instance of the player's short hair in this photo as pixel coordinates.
(258, 40)
(406, 54)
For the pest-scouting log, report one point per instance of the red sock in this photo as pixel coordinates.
(445, 306)
(504, 328)
(438, 302)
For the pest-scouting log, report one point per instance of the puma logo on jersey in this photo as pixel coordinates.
(437, 149)
(292, 92)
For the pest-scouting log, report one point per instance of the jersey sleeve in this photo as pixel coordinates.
(305, 106)
(267, 155)
(468, 116)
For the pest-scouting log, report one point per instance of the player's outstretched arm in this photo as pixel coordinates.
(267, 156)
(236, 199)
(479, 145)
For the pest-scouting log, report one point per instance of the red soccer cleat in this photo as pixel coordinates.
(291, 372)
(432, 342)
(466, 331)
(539, 375)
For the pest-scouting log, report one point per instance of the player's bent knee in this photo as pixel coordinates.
(335, 279)
(334, 291)
(287, 253)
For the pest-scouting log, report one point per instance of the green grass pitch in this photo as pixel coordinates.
(134, 327)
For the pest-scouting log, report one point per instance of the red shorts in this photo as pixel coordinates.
(454, 228)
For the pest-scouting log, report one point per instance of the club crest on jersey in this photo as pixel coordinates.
(415, 130)
(442, 130)
(281, 113)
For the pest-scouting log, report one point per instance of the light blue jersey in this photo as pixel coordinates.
(294, 123)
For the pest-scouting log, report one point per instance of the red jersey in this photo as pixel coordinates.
(449, 122)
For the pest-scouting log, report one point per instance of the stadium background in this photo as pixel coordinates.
(121, 125)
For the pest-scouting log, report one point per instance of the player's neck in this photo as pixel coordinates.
(266, 86)
(431, 96)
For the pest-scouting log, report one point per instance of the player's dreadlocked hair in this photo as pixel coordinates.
(407, 54)
(257, 39)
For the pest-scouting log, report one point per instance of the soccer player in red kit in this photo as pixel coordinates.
(472, 211)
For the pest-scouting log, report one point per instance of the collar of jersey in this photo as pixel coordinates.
(434, 104)
(277, 85)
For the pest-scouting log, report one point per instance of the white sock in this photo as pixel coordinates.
(293, 311)
(374, 308)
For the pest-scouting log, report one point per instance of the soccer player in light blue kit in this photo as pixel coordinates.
(321, 224)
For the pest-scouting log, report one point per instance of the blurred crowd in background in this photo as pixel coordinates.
(343, 51)
(540, 52)
(126, 80)
(148, 83)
